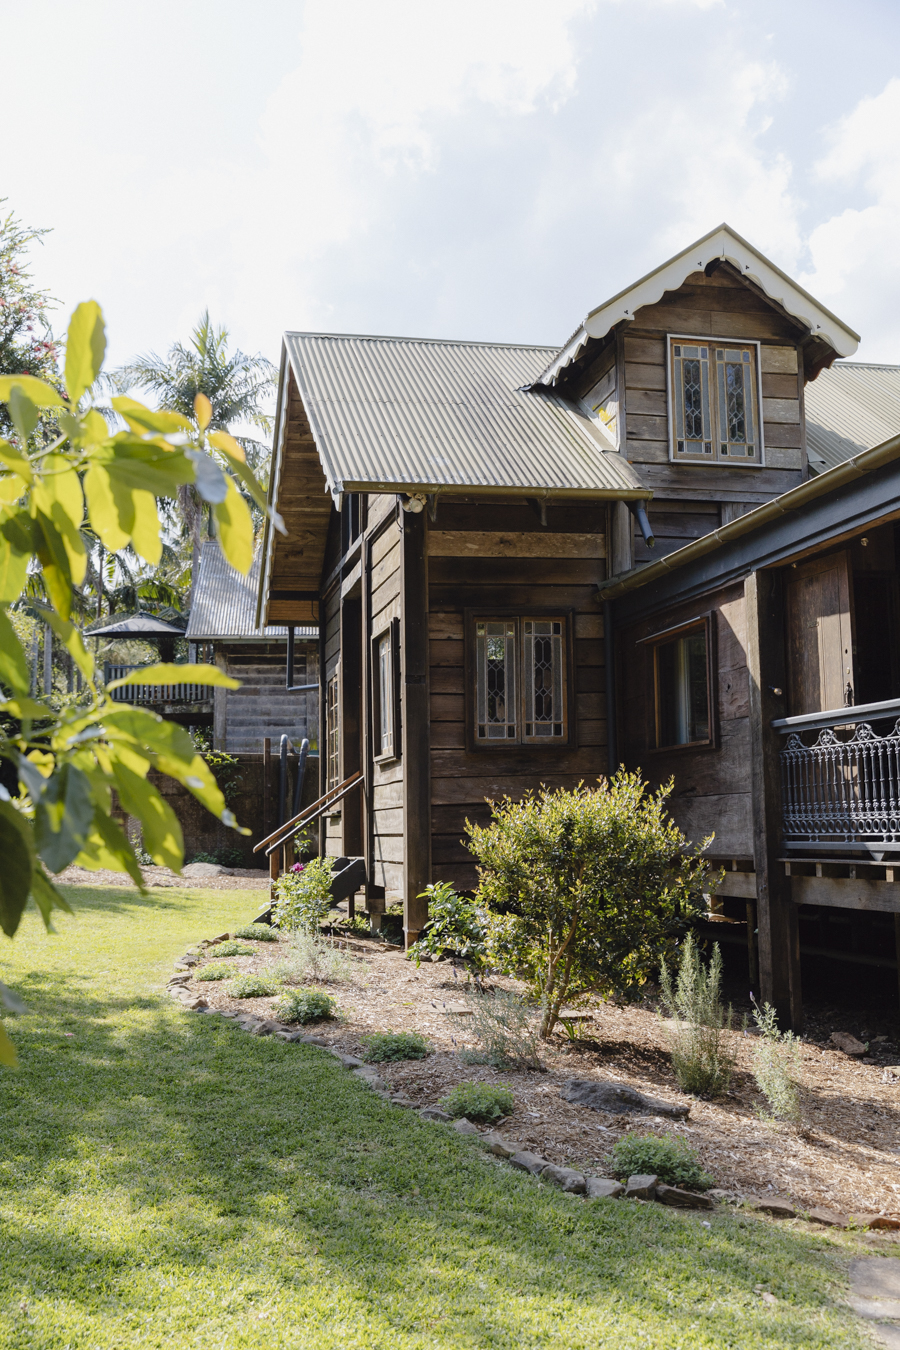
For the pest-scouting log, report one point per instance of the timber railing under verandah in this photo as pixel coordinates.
(152, 693)
(840, 780)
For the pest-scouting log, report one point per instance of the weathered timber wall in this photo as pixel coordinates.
(263, 706)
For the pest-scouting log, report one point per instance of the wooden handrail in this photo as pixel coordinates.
(313, 813)
(308, 813)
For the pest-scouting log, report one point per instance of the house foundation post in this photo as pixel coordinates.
(415, 726)
(779, 943)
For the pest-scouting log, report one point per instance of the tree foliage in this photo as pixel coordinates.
(67, 761)
(587, 889)
(27, 345)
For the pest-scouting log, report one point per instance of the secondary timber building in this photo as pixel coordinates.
(484, 531)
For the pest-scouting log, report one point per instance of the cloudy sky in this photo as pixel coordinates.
(483, 169)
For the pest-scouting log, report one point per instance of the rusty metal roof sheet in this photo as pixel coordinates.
(851, 407)
(418, 415)
(224, 603)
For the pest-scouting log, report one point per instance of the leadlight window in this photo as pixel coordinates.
(333, 732)
(715, 402)
(681, 671)
(520, 681)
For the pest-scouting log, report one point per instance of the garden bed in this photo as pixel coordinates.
(847, 1159)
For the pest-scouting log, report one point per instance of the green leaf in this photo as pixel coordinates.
(140, 418)
(15, 460)
(27, 708)
(146, 532)
(42, 395)
(54, 562)
(7, 1051)
(233, 453)
(13, 571)
(58, 494)
(168, 673)
(63, 815)
(235, 529)
(110, 508)
(162, 833)
(21, 532)
(107, 847)
(13, 665)
(85, 349)
(47, 898)
(71, 639)
(23, 412)
(17, 852)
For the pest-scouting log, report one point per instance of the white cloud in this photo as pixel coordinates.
(855, 261)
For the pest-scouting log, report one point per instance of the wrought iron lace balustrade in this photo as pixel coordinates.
(841, 790)
(152, 693)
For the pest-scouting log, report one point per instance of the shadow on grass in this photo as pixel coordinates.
(214, 1160)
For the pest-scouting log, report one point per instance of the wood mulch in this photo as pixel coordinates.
(847, 1158)
(235, 879)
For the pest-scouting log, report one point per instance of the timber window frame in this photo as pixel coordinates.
(386, 739)
(715, 401)
(684, 686)
(536, 704)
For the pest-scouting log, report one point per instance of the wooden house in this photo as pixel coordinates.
(459, 517)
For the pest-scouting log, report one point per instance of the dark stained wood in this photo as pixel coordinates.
(819, 634)
(779, 943)
(351, 676)
(414, 698)
(845, 893)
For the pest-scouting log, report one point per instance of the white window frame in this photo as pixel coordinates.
(385, 712)
(333, 729)
(715, 458)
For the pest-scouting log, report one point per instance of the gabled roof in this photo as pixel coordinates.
(418, 415)
(224, 603)
(721, 243)
(849, 408)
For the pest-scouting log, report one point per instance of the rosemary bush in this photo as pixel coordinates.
(312, 959)
(776, 1067)
(507, 1030)
(700, 1057)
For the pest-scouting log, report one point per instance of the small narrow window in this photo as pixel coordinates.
(693, 434)
(735, 381)
(333, 732)
(384, 695)
(495, 655)
(682, 689)
(544, 671)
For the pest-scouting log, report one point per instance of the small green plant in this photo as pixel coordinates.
(506, 1028)
(480, 1102)
(672, 1160)
(312, 959)
(305, 1005)
(700, 1057)
(230, 949)
(455, 924)
(356, 923)
(384, 1047)
(215, 973)
(253, 986)
(776, 1066)
(257, 932)
(224, 857)
(303, 895)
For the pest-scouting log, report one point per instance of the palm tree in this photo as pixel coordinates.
(237, 386)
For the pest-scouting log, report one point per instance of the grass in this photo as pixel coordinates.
(167, 1181)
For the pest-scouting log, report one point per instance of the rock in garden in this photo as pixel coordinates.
(829, 1217)
(370, 1078)
(528, 1162)
(503, 1148)
(566, 1178)
(674, 1195)
(434, 1113)
(315, 1040)
(601, 1188)
(196, 1004)
(206, 870)
(842, 1040)
(874, 1221)
(464, 1126)
(266, 1027)
(348, 1061)
(401, 1099)
(642, 1186)
(617, 1099)
(774, 1205)
(223, 937)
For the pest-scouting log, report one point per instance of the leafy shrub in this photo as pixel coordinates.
(586, 889)
(215, 973)
(672, 1160)
(506, 1029)
(303, 895)
(230, 949)
(455, 924)
(253, 986)
(776, 1066)
(224, 857)
(384, 1047)
(479, 1101)
(257, 932)
(305, 1005)
(312, 959)
(700, 1059)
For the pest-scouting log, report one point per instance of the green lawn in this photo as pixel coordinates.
(167, 1180)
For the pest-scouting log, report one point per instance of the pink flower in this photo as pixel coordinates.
(297, 867)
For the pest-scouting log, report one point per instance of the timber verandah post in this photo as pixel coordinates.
(415, 725)
(779, 944)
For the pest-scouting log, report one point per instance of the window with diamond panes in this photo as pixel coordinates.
(520, 680)
(714, 402)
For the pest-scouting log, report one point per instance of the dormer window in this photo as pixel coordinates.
(714, 401)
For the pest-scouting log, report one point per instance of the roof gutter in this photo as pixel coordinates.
(867, 461)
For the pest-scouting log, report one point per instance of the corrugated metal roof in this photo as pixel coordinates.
(224, 602)
(408, 414)
(849, 408)
(135, 625)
